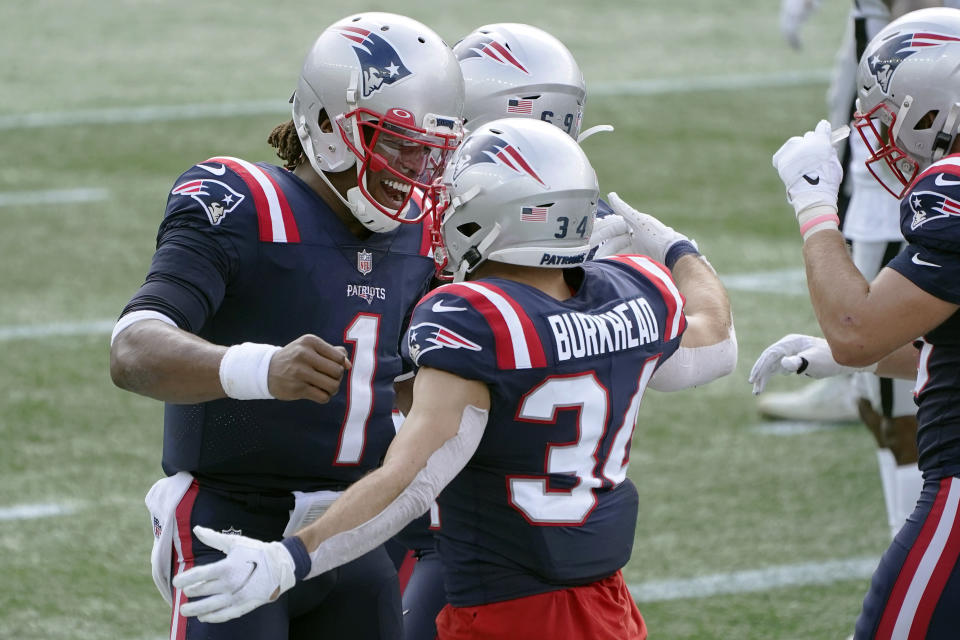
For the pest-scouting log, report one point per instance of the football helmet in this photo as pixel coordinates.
(517, 191)
(516, 70)
(908, 95)
(393, 94)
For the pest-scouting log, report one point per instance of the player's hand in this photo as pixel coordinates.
(793, 13)
(809, 169)
(308, 368)
(649, 236)
(611, 235)
(796, 353)
(252, 574)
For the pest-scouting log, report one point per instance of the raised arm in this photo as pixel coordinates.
(708, 348)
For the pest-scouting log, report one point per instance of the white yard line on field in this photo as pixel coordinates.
(752, 580)
(31, 511)
(163, 113)
(33, 331)
(52, 196)
(783, 281)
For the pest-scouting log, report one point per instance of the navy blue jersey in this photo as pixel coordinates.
(545, 503)
(930, 221)
(250, 253)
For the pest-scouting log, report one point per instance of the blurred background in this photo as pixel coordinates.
(747, 529)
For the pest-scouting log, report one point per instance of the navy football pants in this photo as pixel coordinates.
(915, 591)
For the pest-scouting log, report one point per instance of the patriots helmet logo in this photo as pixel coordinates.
(428, 336)
(483, 46)
(930, 205)
(217, 198)
(884, 62)
(492, 148)
(379, 61)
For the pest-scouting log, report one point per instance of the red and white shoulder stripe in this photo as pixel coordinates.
(517, 343)
(274, 216)
(660, 276)
(950, 164)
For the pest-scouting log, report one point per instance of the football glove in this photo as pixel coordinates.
(611, 235)
(649, 236)
(800, 354)
(252, 574)
(809, 169)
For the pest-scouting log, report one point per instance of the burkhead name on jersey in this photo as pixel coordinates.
(629, 324)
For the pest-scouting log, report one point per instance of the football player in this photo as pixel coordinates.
(270, 320)
(532, 367)
(904, 322)
(517, 71)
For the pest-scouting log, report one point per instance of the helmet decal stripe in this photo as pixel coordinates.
(522, 162)
(503, 51)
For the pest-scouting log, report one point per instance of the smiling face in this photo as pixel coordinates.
(406, 157)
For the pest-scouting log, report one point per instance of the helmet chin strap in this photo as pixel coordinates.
(945, 137)
(466, 265)
(367, 214)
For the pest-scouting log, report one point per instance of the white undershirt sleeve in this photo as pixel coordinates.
(694, 366)
(442, 466)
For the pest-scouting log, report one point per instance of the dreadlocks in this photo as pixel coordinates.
(285, 139)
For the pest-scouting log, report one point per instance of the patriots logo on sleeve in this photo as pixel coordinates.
(379, 61)
(884, 63)
(428, 336)
(930, 205)
(483, 46)
(492, 148)
(217, 198)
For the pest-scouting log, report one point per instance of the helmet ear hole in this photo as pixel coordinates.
(927, 120)
(467, 229)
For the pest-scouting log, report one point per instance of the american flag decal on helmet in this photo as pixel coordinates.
(519, 105)
(534, 214)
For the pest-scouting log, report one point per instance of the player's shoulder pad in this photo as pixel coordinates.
(225, 187)
(652, 275)
(479, 316)
(930, 211)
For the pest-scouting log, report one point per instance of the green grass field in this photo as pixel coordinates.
(722, 503)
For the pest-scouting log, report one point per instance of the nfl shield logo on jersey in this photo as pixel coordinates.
(364, 262)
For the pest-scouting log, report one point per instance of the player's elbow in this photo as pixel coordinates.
(854, 353)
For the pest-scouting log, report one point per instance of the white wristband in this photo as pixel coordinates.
(245, 369)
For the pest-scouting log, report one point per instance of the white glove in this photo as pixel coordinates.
(649, 236)
(809, 169)
(611, 235)
(252, 574)
(793, 13)
(796, 353)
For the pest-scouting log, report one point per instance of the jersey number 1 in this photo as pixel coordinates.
(362, 332)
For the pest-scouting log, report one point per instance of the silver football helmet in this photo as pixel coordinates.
(517, 191)
(393, 94)
(908, 95)
(516, 70)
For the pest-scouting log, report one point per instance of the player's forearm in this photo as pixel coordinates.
(156, 360)
(360, 503)
(839, 295)
(707, 306)
(902, 363)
